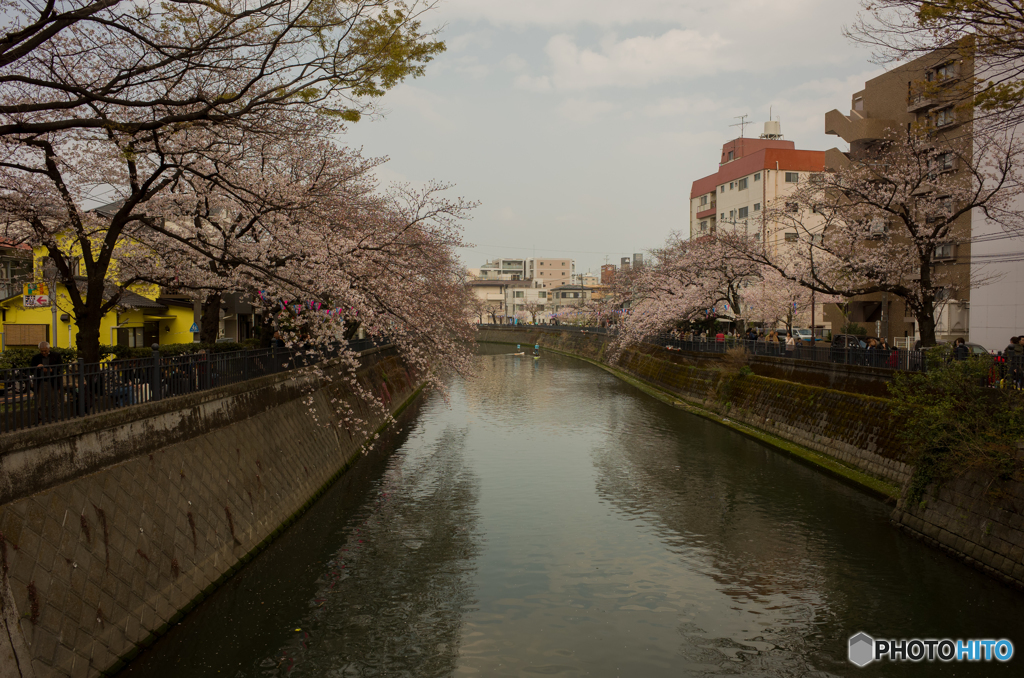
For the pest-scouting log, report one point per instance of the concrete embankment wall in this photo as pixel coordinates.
(113, 526)
(977, 518)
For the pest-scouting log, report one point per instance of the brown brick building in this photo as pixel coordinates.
(926, 91)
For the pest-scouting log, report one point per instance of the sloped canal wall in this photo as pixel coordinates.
(977, 518)
(115, 525)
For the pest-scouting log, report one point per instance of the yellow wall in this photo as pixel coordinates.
(174, 331)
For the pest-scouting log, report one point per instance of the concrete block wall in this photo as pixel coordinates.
(978, 518)
(98, 562)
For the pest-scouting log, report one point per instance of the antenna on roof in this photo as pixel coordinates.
(741, 124)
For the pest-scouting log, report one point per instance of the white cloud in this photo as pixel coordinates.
(534, 84)
(635, 62)
(514, 63)
(586, 110)
(676, 106)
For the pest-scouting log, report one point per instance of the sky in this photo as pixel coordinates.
(579, 125)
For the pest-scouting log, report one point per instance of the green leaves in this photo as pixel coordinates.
(952, 422)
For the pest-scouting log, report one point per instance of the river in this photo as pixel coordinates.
(550, 519)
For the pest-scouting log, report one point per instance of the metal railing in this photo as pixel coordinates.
(33, 396)
(889, 359)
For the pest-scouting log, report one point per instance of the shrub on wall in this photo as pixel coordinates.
(952, 422)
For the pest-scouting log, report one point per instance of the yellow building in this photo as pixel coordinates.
(143, 317)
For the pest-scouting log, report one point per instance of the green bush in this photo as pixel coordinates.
(951, 422)
(853, 328)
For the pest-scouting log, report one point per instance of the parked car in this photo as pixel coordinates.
(804, 334)
(848, 341)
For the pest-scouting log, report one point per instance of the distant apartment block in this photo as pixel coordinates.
(608, 274)
(549, 273)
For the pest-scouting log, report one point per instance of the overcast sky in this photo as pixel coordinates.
(579, 125)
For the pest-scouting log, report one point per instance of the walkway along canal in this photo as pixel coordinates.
(554, 520)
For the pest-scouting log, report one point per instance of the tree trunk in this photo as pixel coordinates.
(88, 338)
(926, 325)
(209, 321)
(266, 328)
(88, 319)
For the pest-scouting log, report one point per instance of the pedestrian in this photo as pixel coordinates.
(47, 382)
(960, 352)
(278, 342)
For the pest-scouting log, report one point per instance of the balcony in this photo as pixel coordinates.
(855, 128)
(710, 212)
(919, 103)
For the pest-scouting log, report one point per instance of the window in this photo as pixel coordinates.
(757, 237)
(732, 155)
(721, 189)
(564, 264)
(575, 295)
(742, 213)
(945, 71)
(732, 214)
(877, 227)
(792, 177)
(792, 207)
(542, 295)
(732, 185)
(945, 117)
(945, 251)
(791, 237)
(723, 216)
(743, 184)
(944, 162)
(757, 176)
(757, 207)
(518, 295)
(704, 225)
(816, 178)
(703, 200)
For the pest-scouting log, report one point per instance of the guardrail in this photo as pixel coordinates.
(892, 359)
(33, 396)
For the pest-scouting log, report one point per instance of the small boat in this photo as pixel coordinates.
(520, 353)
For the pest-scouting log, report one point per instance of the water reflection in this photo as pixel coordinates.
(552, 520)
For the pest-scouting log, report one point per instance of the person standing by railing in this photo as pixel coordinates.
(47, 379)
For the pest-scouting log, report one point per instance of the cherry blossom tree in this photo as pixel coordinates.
(875, 223)
(688, 280)
(123, 101)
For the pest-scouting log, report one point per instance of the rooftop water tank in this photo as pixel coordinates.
(772, 130)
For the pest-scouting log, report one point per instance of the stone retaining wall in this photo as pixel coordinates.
(114, 526)
(977, 518)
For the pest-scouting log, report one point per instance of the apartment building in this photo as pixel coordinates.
(608, 274)
(751, 174)
(928, 92)
(549, 273)
(527, 303)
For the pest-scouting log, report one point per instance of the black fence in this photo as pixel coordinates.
(33, 396)
(1006, 371)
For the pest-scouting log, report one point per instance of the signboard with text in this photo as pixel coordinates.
(35, 295)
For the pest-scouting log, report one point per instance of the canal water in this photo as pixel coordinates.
(551, 520)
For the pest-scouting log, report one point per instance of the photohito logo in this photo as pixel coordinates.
(864, 649)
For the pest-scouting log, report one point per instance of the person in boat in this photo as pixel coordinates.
(536, 350)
